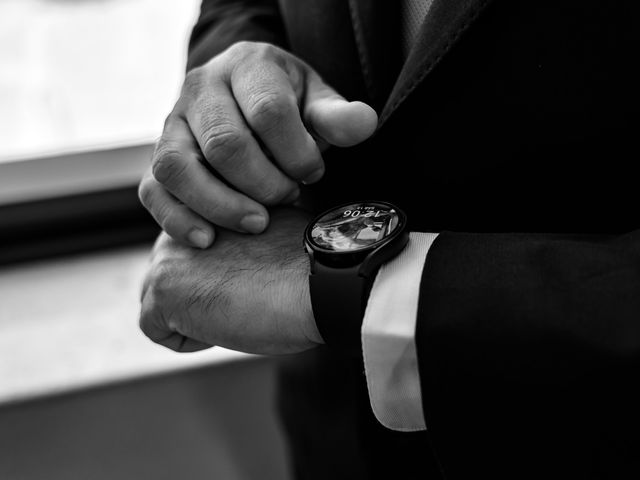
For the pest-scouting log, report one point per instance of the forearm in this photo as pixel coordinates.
(224, 22)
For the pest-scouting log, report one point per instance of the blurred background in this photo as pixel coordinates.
(85, 86)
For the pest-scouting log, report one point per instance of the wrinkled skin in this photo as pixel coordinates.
(248, 293)
(249, 126)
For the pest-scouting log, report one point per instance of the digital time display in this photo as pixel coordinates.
(354, 227)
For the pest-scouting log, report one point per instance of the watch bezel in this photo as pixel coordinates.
(353, 257)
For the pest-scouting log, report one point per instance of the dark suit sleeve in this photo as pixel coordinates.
(529, 354)
(225, 22)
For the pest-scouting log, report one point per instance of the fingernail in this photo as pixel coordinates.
(253, 223)
(199, 238)
(292, 197)
(314, 177)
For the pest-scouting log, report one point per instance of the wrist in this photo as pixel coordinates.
(305, 313)
(346, 246)
(296, 302)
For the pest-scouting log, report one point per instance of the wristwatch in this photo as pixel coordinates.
(346, 246)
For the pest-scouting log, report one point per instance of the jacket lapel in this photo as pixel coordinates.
(445, 23)
(376, 26)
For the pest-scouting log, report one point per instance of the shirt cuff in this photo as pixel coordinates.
(388, 338)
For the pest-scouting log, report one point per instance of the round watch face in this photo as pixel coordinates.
(354, 227)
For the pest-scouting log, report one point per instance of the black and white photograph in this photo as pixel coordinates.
(319, 239)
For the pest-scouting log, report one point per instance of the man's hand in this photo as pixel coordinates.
(246, 293)
(239, 139)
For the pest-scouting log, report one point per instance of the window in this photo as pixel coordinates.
(81, 79)
(84, 89)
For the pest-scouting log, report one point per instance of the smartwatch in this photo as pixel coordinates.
(346, 246)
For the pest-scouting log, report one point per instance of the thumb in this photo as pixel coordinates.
(334, 119)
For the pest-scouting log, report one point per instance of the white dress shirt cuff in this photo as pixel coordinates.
(388, 338)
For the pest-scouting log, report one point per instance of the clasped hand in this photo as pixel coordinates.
(248, 127)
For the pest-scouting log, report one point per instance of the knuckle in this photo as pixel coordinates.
(237, 53)
(148, 314)
(245, 49)
(300, 168)
(241, 47)
(168, 167)
(224, 143)
(171, 118)
(146, 319)
(265, 50)
(217, 212)
(153, 322)
(194, 82)
(171, 223)
(145, 193)
(270, 53)
(161, 278)
(267, 111)
(271, 195)
(167, 222)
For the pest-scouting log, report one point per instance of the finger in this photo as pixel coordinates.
(148, 280)
(178, 166)
(156, 329)
(267, 98)
(334, 119)
(179, 343)
(175, 218)
(230, 148)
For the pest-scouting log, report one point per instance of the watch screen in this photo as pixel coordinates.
(354, 227)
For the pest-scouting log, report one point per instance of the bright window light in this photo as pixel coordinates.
(85, 75)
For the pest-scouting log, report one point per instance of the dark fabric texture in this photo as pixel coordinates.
(528, 354)
(224, 22)
(512, 130)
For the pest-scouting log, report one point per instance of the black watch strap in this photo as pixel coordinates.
(339, 299)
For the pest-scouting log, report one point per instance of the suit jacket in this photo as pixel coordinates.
(510, 129)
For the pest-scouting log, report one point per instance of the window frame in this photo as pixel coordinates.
(71, 202)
